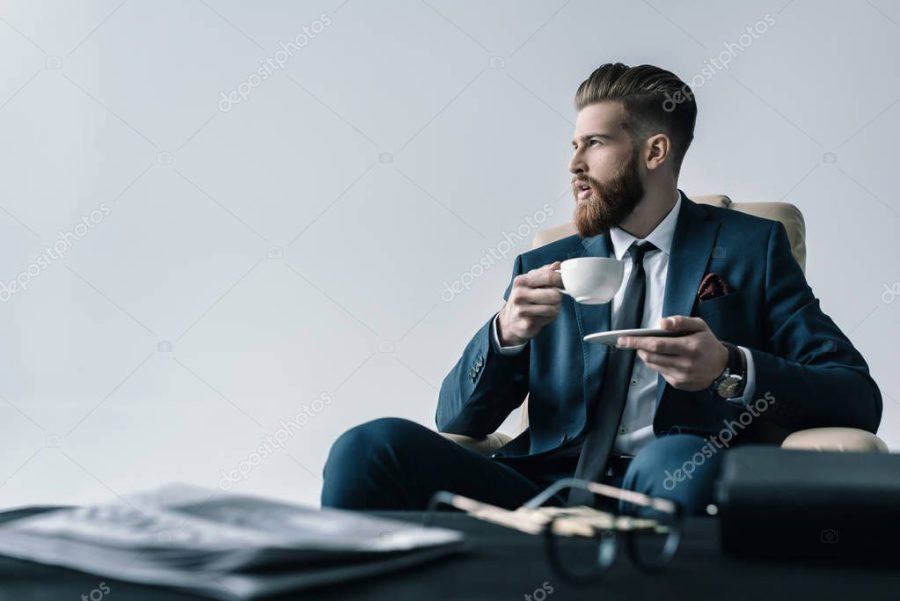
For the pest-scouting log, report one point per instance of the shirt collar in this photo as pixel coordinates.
(661, 236)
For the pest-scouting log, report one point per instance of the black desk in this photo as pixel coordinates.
(508, 565)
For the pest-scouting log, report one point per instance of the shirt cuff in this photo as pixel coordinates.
(495, 340)
(750, 385)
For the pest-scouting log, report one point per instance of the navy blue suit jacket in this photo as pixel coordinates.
(803, 360)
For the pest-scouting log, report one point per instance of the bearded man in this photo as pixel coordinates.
(746, 337)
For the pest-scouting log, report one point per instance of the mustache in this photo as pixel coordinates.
(580, 180)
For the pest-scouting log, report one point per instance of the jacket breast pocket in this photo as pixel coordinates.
(726, 316)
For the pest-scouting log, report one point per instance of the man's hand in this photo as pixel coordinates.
(532, 304)
(689, 362)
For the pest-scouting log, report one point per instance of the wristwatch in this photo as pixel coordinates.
(730, 383)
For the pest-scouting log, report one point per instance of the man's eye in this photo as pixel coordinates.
(594, 142)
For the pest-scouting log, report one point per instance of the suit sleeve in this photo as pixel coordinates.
(484, 386)
(813, 374)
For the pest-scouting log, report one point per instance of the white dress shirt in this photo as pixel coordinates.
(636, 427)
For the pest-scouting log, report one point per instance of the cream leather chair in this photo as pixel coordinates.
(821, 439)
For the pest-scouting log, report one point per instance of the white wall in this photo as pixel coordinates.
(243, 259)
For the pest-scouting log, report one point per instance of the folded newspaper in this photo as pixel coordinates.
(222, 545)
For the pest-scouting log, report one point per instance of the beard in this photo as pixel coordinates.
(610, 202)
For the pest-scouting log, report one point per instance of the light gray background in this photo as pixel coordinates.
(298, 244)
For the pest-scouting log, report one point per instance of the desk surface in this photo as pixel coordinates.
(505, 564)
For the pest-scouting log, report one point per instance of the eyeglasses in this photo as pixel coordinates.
(659, 526)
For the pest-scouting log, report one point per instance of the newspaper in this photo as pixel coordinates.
(222, 545)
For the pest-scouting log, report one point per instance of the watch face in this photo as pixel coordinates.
(729, 387)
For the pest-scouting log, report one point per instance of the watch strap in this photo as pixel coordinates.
(735, 363)
(735, 366)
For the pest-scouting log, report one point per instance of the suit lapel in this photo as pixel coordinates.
(692, 244)
(591, 319)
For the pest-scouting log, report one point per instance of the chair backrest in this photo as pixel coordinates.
(784, 212)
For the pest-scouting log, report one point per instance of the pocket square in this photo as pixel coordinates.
(713, 286)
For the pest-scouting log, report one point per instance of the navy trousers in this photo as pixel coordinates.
(397, 464)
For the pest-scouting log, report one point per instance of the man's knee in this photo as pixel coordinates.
(368, 465)
(680, 467)
(358, 447)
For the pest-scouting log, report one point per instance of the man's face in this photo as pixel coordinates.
(606, 179)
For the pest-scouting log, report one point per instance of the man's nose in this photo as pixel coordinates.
(576, 165)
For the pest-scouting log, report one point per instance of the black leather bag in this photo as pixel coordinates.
(777, 503)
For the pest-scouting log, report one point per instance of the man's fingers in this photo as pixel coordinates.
(665, 370)
(681, 323)
(668, 372)
(657, 344)
(657, 360)
(539, 296)
(544, 276)
(538, 310)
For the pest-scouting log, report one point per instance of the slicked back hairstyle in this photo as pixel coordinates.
(654, 101)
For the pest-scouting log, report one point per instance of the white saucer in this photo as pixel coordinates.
(610, 338)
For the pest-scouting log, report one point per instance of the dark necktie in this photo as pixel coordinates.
(605, 413)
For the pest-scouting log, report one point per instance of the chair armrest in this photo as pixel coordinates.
(835, 439)
(482, 446)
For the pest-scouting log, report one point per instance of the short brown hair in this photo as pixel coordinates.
(655, 101)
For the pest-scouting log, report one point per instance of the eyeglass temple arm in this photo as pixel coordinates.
(605, 490)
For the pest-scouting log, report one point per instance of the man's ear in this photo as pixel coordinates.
(657, 150)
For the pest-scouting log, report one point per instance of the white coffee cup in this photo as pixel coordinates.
(591, 280)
